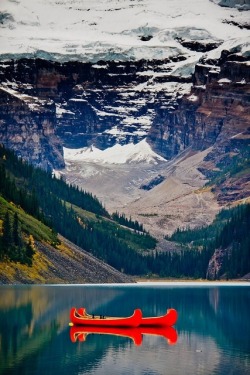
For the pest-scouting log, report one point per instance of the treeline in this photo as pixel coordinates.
(235, 236)
(229, 231)
(51, 201)
(186, 263)
(121, 219)
(38, 181)
(13, 245)
(200, 236)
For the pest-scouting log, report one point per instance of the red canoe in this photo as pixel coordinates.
(169, 319)
(80, 317)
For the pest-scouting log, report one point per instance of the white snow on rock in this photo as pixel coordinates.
(34, 103)
(113, 30)
(118, 154)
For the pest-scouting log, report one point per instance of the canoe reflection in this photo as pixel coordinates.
(78, 333)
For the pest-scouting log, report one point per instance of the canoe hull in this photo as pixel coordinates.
(169, 319)
(77, 318)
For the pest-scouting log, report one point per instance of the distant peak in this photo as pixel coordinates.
(118, 154)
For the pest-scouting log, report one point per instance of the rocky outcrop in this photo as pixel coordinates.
(27, 126)
(215, 114)
(152, 183)
(216, 264)
(239, 4)
(216, 110)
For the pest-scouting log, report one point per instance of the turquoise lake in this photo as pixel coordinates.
(211, 336)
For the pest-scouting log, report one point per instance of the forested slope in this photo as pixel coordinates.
(35, 206)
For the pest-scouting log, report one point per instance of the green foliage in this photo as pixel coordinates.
(230, 231)
(12, 244)
(28, 224)
(234, 167)
(235, 236)
(121, 219)
(199, 237)
(29, 185)
(56, 204)
(119, 241)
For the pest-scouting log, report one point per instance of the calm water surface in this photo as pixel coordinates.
(212, 334)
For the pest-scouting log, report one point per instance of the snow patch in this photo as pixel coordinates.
(118, 154)
(60, 112)
(224, 80)
(193, 98)
(34, 103)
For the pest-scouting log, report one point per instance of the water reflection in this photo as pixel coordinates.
(78, 333)
(213, 331)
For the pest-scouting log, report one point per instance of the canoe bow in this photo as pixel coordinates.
(80, 317)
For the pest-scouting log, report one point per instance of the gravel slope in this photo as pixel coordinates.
(68, 264)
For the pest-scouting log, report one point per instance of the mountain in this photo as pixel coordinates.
(145, 103)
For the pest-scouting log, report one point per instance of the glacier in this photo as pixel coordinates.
(118, 154)
(87, 31)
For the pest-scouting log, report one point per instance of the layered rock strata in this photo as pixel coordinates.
(82, 103)
(215, 111)
(27, 126)
(47, 105)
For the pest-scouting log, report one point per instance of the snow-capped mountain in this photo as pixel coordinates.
(137, 96)
(118, 154)
(96, 30)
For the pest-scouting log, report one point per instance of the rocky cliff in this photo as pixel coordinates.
(27, 125)
(216, 109)
(47, 105)
(84, 103)
(214, 114)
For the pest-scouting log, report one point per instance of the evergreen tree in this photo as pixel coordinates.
(29, 251)
(7, 238)
(16, 231)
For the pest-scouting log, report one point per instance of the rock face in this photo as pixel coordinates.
(216, 263)
(47, 105)
(78, 104)
(27, 126)
(216, 110)
(214, 114)
(240, 4)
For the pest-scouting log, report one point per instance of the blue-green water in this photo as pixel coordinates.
(212, 334)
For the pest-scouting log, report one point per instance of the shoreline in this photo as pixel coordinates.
(166, 280)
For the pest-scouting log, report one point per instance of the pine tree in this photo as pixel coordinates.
(29, 251)
(7, 239)
(16, 232)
